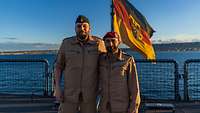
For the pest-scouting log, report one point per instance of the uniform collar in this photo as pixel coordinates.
(89, 41)
(118, 55)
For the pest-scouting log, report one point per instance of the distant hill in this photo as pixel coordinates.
(187, 46)
(28, 52)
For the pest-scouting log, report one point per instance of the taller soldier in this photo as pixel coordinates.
(78, 60)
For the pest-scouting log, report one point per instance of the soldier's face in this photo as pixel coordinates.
(111, 44)
(82, 30)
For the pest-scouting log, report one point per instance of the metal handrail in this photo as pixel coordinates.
(34, 60)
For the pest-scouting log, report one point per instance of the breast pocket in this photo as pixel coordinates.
(72, 52)
(92, 57)
(73, 57)
(121, 71)
(119, 68)
(93, 51)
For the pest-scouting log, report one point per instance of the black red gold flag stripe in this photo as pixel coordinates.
(133, 28)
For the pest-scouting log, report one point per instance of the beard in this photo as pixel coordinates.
(111, 49)
(82, 36)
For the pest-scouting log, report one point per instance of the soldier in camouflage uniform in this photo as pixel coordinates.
(78, 60)
(119, 87)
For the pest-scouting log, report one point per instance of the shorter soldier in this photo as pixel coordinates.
(118, 79)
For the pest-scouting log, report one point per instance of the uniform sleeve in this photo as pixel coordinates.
(133, 85)
(60, 59)
(100, 75)
(101, 46)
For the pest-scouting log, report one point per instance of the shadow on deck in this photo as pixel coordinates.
(187, 107)
(26, 104)
(180, 107)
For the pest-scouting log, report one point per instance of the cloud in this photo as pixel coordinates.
(9, 38)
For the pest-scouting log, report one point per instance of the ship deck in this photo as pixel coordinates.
(44, 104)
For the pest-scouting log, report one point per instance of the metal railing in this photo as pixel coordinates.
(159, 79)
(192, 80)
(24, 76)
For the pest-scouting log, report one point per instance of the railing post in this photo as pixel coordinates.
(52, 82)
(46, 77)
(176, 82)
(185, 76)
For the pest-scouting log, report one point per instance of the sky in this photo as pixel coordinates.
(49, 21)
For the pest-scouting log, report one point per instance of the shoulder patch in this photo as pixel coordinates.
(126, 55)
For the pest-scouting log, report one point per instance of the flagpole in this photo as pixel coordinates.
(112, 14)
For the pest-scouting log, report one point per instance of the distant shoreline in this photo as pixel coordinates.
(28, 52)
(186, 46)
(55, 51)
(192, 46)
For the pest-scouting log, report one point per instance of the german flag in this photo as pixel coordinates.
(133, 28)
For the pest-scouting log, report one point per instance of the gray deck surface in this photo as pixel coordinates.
(41, 104)
(26, 104)
(180, 107)
(188, 107)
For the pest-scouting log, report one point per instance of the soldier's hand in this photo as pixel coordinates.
(58, 94)
(135, 111)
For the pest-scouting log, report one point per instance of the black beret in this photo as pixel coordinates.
(82, 19)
